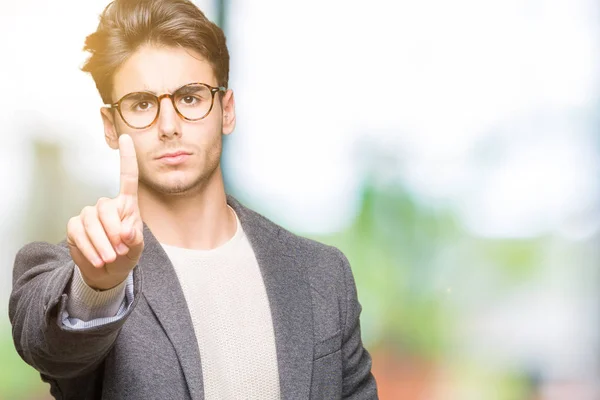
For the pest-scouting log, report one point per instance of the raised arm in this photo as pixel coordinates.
(105, 241)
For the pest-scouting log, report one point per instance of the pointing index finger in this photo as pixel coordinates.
(129, 166)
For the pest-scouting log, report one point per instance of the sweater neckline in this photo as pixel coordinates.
(186, 253)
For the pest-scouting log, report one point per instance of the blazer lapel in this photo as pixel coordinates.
(164, 295)
(289, 298)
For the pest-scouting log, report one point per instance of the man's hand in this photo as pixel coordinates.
(106, 240)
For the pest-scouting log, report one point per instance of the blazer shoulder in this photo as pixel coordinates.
(318, 258)
(325, 263)
(306, 247)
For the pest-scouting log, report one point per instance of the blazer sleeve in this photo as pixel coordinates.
(358, 381)
(41, 275)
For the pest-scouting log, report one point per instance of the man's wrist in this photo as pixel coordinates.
(111, 282)
(87, 303)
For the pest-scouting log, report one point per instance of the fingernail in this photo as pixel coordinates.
(122, 249)
(108, 257)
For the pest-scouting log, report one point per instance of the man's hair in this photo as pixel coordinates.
(126, 25)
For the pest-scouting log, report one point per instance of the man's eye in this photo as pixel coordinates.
(142, 106)
(190, 100)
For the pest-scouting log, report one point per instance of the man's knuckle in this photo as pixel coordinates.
(72, 223)
(87, 212)
(88, 221)
(103, 204)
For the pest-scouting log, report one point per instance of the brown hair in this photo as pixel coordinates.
(125, 25)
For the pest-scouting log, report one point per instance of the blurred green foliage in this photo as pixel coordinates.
(410, 261)
(392, 249)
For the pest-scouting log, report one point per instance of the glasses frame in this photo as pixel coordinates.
(212, 89)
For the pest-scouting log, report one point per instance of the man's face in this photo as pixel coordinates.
(163, 70)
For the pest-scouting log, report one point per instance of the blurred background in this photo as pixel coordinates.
(449, 149)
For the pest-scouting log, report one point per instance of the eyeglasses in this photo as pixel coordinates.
(192, 102)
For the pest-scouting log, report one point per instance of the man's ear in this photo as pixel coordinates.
(110, 131)
(228, 103)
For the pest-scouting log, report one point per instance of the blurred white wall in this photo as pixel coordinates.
(445, 84)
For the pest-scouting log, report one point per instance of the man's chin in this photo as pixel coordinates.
(173, 188)
(177, 190)
(176, 183)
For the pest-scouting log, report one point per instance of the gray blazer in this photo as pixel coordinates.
(152, 353)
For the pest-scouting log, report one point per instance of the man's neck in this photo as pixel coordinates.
(201, 220)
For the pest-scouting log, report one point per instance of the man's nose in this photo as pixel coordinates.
(169, 122)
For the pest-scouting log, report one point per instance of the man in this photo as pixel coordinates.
(173, 289)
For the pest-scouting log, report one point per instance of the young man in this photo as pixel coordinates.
(173, 289)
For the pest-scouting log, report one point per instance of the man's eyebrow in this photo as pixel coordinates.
(140, 95)
(188, 89)
(185, 89)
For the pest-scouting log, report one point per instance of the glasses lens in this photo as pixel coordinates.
(139, 109)
(193, 101)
